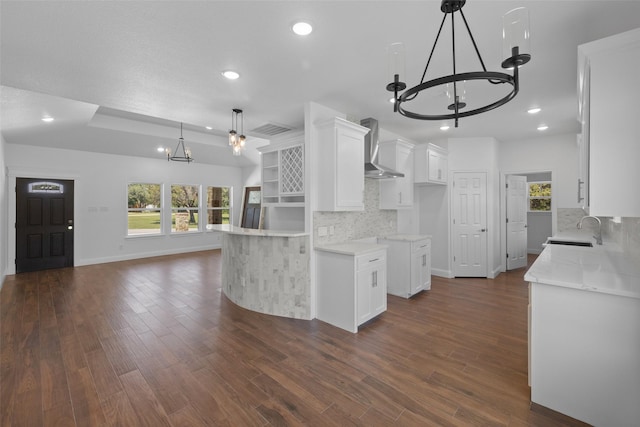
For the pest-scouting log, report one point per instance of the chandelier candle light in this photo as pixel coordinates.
(237, 141)
(181, 154)
(516, 50)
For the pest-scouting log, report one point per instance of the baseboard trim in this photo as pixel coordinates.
(127, 257)
(447, 274)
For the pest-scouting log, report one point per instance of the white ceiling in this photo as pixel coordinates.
(146, 66)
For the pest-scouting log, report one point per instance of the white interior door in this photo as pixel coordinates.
(517, 199)
(469, 206)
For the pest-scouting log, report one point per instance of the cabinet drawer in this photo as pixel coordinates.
(420, 245)
(364, 261)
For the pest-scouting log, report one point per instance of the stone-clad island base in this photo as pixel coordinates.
(267, 271)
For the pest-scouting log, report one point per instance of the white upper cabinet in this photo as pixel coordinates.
(340, 165)
(608, 72)
(396, 193)
(430, 164)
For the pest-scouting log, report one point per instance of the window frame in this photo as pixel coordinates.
(159, 209)
(529, 197)
(207, 209)
(173, 230)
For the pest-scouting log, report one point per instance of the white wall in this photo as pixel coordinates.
(432, 205)
(539, 227)
(557, 154)
(4, 209)
(101, 199)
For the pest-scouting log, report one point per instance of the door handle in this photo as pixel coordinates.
(482, 230)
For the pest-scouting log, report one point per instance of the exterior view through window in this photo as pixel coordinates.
(144, 209)
(218, 206)
(184, 208)
(540, 196)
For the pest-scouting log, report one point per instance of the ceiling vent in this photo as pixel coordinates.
(270, 129)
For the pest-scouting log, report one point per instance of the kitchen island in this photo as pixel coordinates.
(266, 270)
(584, 326)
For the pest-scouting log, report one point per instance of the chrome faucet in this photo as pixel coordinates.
(598, 236)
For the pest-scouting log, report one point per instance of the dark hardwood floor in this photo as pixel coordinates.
(154, 342)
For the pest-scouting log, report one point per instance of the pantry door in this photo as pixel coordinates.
(469, 228)
(517, 200)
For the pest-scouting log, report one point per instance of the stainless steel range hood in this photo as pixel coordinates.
(371, 144)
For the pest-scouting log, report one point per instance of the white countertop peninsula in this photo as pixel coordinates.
(267, 270)
(232, 229)
(584, 328)
(351, 247)
(407, 237)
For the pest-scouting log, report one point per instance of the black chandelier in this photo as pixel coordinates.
(181, 154)
(515, 45)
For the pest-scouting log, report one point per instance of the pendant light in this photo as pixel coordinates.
(236, 141)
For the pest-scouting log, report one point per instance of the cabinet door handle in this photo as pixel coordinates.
(580, 184)
(424, 260)
(374, 279)
(374, 260)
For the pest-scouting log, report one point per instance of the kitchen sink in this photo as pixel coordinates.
(569, 243)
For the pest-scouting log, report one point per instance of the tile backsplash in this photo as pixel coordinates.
(625, 231)
(371, 222)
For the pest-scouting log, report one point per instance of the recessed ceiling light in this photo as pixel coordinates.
(208, 127)
(302, 28)
(230, 74)
(160, 149)
(444, 127)
(543, 127)
(533, 110)
(47, 119)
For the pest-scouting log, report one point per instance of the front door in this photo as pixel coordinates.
(517, 198)
(251, 208)
(469, 206)
(44, 224)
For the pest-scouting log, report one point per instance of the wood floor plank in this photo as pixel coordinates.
(163, 384)
(53, 378)
(104, 377)
(155, 342)
(118, 411)
(84, 398)
(148, 410)
(59, 416)
(232, 404)
(188, 417)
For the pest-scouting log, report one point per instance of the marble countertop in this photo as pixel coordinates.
(407, 237)
(351, 248)
(601, 268)
(232, 229)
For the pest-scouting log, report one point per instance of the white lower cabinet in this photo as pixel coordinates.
(410, 257)
(372, 292)
(351, 286)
